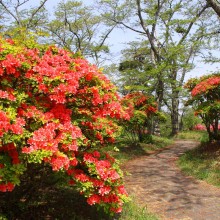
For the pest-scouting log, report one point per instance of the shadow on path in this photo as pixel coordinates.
(158, 184)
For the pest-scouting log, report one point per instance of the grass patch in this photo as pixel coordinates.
(124, 151)
(132, 211)
(203, 163)
(193, 135)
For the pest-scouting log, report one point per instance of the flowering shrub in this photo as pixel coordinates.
(205, 93)
(200, 127)
(141, 108)
(58, 109)
(206, 85)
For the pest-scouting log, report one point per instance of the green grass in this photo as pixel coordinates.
(203, 163)
(124, 151)
(193, 135)
(132, 211)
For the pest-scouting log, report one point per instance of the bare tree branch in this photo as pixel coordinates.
(106, 36)
(36, 11)
(192, 23)
(215, 5)
(73, 32)
(150, 38)
(126, 26)
(6, 8)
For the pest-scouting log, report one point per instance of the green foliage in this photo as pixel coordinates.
(205, 138)
(142, 109)
(190, 120)
(77, 27)
(165, 126)
(37, 157)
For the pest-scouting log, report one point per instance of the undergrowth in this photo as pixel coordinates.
(124, 150)
(203, 163)
(49, 201)
(192, 135)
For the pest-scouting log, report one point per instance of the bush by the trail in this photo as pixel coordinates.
(58, 109)
(205, 93)
(141, 109)
(199, 127)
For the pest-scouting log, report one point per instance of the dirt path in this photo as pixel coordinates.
(158, 184)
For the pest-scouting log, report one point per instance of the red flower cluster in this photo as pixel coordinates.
(60, 108)
(101, 190)
(4, 187)
(141, 108)
(7, 95)
(139, 101)
(205, 85)
(200, 127)
(6, 126)
(11, 150)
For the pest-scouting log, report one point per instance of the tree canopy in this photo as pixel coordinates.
(173, 33)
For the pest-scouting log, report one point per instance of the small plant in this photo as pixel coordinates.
(133, 211)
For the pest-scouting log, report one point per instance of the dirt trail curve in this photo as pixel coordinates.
(158, 184)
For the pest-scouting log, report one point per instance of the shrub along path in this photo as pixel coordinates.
(159, 185)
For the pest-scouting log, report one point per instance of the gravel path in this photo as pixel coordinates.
(159, 185)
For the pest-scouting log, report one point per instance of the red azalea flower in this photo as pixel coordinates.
(93, 199)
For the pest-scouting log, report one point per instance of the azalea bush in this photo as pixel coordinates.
(141, 109)
(199, 127)
(205, 98)
(57, 109)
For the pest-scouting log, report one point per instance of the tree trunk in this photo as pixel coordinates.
(159, 92)
(215, 129)
(175, 122)
(175, 113)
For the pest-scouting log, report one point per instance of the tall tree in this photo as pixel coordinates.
(174, 31)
